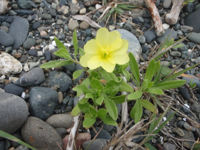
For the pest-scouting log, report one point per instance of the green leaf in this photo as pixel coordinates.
(86, 82)
(89, 95)
(126, 74)
(93, 111)
(111, 87)
(157, 67)
(136, 111)
(109, 121)
(87, 123)
(156, 91)
(178, 46)
(125, 87)
(63, 53)
(85, 108)
(93, 74)
(108, 76)
(111, 107)
(56, 63)
(145, 84)
(81, 52)
(59, 44)
(197, 146)
(82, 89)
(96, 84)
(99, 100)
(75, 43)
(150, 70)
(150, 84)
(134, 68)
(101, 113)
(179, 73)
(12, 138)
(75, 111)
(77, 73)
(169, 84)
(149, 146)
(135, 95)
(118, 99)
(148, 105)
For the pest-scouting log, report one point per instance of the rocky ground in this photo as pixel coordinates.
(35, 104)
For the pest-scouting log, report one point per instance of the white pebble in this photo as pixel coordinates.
(164, 118)
(23, 95)
(187, 106)
(26, 68)
(54, 43)
(97, 6)
(184, 119)
(2, 77)
(39, 53)
(13, 79)
(51, 47)
(165, 26)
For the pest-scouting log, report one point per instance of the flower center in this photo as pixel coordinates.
(105, 52)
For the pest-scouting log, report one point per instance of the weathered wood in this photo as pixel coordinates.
(3, 6)
(172, 17)
(155, 16)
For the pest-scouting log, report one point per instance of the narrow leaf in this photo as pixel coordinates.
(75, 111)
(134, 68)
(101, 113)
(135, 95)
(169, 84)
(150, 70)
(87, 123)
(136, 111)
(125, 87)
(59, 44)
(156, 91)
(63, 53)
(109, 121)
(111, 107)
(75, 43)
(126, 74)
(149, 146)
(118, 99)
(81, 52)
(148, 105)
(77, 73)
(56, 63)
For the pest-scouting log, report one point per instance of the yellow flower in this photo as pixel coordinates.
(107, 50)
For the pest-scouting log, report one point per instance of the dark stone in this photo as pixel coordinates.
(62, 132)
(184, 93)
(6, 39)
(23, 59)
(189, 8)
(42, 102)
(169, 146)
(13, 89)
(10, 19)
(47, 55)
(145, 48)
(36, 25)
(150, 36)
(32, 52)
(34, 77)
(96, 144)
(71, 67)
(165, 35)
(103, 133)
(22, 12)
(193, 20)
(29, 43)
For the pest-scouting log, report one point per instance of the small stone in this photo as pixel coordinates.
(64, 9)
(167, 3)
(178, 131)
(73, 25)
(43, 33)
(111, 27)
(29, 43)
(36, 25)
(165, 26)
(74, 9)
(150, 36)
(46, 16)
(18, 55)
(187, 126)
(6, 39)
(103, 133)
(173, 34)
(32, 52)
(13, 89)
(175, 53)
(142, 39)
(186, 29)
(96, 144)
(184, 93)
(26, 68)
(82, 11)
(60, 97)
(84, 25)
(194, 37)
(169, 146)
(97, 6)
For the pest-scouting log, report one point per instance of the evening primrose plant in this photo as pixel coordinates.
(105, 60)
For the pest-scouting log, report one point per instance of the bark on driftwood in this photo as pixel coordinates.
(155, 16)
(172, 17)
(3, 6)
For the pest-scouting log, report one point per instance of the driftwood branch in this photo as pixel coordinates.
(155, 16)
(172, 17)
(72, 135)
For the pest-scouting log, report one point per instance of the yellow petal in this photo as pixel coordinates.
(119, 59)
(94, 62)
(115, 41)
(123, 49)
(84, 59)
(107, 65)
(103, 37)
(91, 47)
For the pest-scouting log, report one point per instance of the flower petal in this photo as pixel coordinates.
(119, 59)
(84, 59)
(123, 49)
(94, 62)
(91, 47)
(115, 40)
(103, 37)
(107, 65)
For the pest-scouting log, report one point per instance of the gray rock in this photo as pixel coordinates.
(62, 132)
(150, 36)
(29, 43)
(2, 145)
(73, 25)
(137, 2)
(167, 3)
(13, 89)
(195, 107)
(142, 39)
(169, 146)
(74, 9)
(193, 80)
(194, 37)
(42, 102)
(193, 20)
(97, 144)
(59, 78)
(186, 28)
(164, 36)
(60, 121)
(34, 77)
(134, 45)
(164, 63)
(188, 135)
(24, 4)
(46, 16)
(44, 136)
(71, 67)
(6, 39)
(22, 147)
(175, 53)
(103, 133)
(18, 30)
(13, 112)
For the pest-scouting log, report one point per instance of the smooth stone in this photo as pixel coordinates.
(194, 37)
(59, 78)
(22, 12)
(73, 25)
(184, 93)
(195, 107)
(6, 39)
(46, 16)
(2, 143)
(40, 135)
(18, 30)
(34, 77)
(175, 53)
(167, 3)
(164, 36)
(47, 55)
(13, 112)
(64, 9)
(188, 135)
(29, 43)
(183, 48)
(13, 89)
(178, 131)
(79, 67)
(150, 36)
(80, 139)
(21, 147)
(96, 144)
(24, 4)
(169, 146)
(193, 80)
(103, 133)
(84, 25)
(189, 8)
(142, 39)
(164, 63)
(60, 121)
(32, 52)
(42, 102)
(137, 2)
(186, 29)
(9, 64)
(185, 54)
(52, 12)
(61, 131)
(74, 9)
(193, 20)
(134, 45)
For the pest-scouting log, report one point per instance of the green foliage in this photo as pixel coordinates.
(75, 43)
(77, 73)
(188, 1)
(56, 63)
(12, 138)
